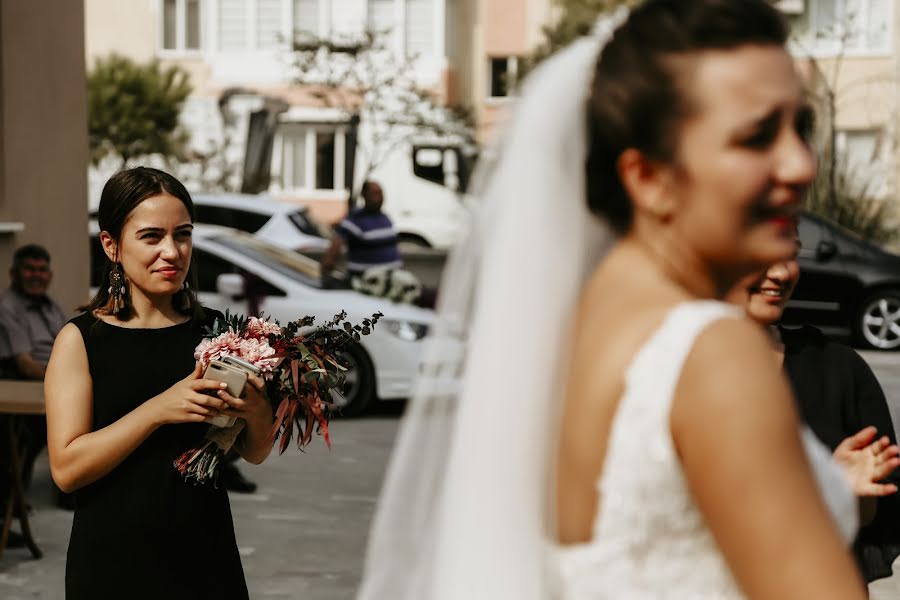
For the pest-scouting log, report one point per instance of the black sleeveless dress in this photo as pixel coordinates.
(142, 532)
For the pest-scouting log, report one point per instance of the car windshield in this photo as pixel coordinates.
(285, 262)
(308, 225)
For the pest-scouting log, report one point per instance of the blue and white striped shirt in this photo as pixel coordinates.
(371, 240)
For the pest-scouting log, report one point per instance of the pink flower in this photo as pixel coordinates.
(260, 329)
(208, 350)
(258, 353)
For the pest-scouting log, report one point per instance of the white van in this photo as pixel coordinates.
(424, 193)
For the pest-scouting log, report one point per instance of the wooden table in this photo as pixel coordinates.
(18, 398)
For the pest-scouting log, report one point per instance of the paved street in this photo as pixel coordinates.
(302, 535)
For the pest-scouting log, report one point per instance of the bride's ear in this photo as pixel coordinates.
(647, 183)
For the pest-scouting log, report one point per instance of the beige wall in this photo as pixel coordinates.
(504, 27)
(43, 137)
(865, 89)
(489, 28)
(124, 26)
(538, 14)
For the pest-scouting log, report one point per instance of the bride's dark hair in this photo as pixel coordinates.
(636, 97)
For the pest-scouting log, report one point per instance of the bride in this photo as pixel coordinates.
(588, 428)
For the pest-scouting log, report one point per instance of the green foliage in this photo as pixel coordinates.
(839, 192)
(841, 195)
(576, 18)
(133, 109)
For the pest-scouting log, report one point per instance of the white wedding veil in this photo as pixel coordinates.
(466, 503)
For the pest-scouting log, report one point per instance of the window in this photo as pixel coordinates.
(232, 24)
(313, 156)
(381, 15)
(245, 220)
(209, 267)
(324, 160)
(180, 25)
(268, 23)
(307, 225)
(836, 26)
(306, 16)
(861, 159)
(810, 235)
(419, 27)
(503, 71)
(251, 24)
(286, 263)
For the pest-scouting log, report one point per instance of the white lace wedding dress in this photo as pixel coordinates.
(649, 539)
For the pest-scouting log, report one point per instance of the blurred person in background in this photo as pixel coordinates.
(841, 400)
(367, 235)
(30, 320)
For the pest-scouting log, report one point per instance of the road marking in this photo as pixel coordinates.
(249, 497)
(344, 498)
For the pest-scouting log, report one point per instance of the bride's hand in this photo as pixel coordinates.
(867, 462)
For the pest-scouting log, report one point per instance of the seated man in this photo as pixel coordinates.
(30, 320)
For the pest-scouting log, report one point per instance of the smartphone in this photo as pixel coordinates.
(234, 376)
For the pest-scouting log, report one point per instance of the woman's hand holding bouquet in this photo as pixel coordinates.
(300, 366)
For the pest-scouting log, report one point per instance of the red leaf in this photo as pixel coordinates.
(295, 364)
(289, 427)
(279, 418)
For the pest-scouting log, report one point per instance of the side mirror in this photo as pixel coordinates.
(825, 250)
(230, 285)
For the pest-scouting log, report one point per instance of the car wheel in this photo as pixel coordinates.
(359, 383)
(878, 323)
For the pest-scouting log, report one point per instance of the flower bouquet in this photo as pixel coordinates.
(302, 368)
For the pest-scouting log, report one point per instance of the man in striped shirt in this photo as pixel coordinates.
(369, 236)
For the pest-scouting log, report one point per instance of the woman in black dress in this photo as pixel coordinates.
(841, 400)
(125, 399)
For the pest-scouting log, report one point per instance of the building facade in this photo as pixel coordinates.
(493, 37)
(239, 49)
(851, 49)
(43, 139)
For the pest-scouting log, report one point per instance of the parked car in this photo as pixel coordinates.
(281, 223)
(848, 286)
(235, 268)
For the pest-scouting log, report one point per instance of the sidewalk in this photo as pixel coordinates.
(301, 535)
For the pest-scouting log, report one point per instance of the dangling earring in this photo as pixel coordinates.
(184, 302)
(117, 288)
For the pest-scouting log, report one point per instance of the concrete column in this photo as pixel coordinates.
(43, 138)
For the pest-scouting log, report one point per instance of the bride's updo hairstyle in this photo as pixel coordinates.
(637, 98)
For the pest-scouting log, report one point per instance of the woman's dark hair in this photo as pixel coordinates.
(121, 195)
(637, 100)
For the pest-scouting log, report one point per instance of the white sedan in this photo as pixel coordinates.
(233, 265)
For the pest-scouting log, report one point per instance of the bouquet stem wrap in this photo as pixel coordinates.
(201, 464)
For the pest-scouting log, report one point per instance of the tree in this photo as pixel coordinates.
(376, 88)
(575, 18)
(840, 192)
(133, 109)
